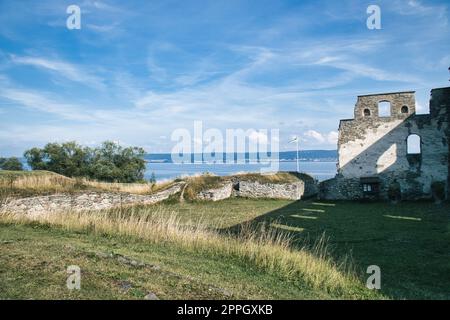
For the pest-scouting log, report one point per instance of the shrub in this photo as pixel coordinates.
(12, 164)
(110, 162)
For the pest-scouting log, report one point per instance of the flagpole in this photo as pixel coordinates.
(297, 157)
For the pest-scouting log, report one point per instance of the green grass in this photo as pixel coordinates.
(409, 241)
(35, 258)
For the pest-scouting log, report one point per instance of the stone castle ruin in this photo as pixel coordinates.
(394, 155)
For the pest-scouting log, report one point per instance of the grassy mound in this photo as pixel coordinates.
(199, 183)
(33, 183)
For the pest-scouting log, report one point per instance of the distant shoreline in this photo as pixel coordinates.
(233, 158)
(233, 162)
(163, 171)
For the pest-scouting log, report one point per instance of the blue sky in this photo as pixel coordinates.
(137, 70)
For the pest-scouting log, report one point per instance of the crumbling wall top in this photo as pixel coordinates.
(402, 105)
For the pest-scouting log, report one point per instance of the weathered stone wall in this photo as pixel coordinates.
(311, 188)
(398, 100)
(305, 187)
(84, 201)
(216, 194)
(372, 146)
(340, 189)
(254, 189)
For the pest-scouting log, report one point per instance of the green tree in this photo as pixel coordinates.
(69, 158)
(109, 162)
(13, 164)
(35, 159)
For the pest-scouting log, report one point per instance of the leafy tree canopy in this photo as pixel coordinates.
(11, 164)
(109, 162)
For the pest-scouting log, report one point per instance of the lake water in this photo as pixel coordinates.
(167, 171)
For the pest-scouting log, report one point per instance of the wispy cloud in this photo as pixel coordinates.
(39, 102)
(67, 70)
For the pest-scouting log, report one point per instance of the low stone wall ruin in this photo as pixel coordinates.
(254, 189)
(88, 201)
(223, 192)
(85, 201)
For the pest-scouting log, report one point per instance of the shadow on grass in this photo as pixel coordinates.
(409, 241)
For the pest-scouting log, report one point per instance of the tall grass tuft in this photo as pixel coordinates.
(32, 184)
(136, 188)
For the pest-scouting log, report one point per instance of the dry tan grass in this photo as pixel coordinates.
(268, 250)
(37, 183)
(44, 182)
(196, 184)
(136, 188)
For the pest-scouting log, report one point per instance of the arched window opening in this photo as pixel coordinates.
(366, 113)
(384, 109)
(405, 109)
(413, 144)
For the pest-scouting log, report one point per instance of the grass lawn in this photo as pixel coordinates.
(410, 242)
(34, 259)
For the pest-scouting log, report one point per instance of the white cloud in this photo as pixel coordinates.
(39, 102)
(332, 137)
(64, 69)
(315, 135)
(101, 28)
(438, 13)
(328, 138)
(363, 70)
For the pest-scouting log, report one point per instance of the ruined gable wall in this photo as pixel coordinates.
(377, 146)
(397, 100)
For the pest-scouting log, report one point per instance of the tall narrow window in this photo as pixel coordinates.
(413, 144)
(384, 109)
